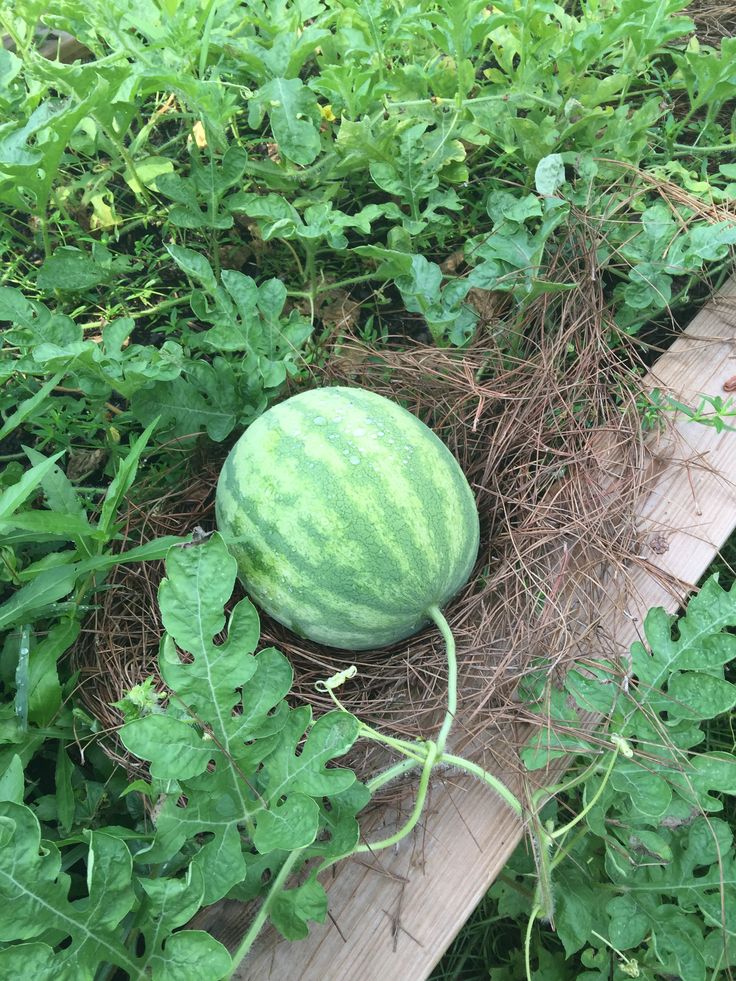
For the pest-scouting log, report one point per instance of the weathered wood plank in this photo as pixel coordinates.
(431, 884)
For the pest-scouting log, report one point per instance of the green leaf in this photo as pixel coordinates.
(293, 909)
(65, 526)
(65, 804)
(648, 286)
(707, 772)
(270, 786)
(222, 864)
(628, 924)
(147, 171)
(15, 495)
(576, 913)
(34, 960)
(710, 242)
(29, 406)
(191, 597)
(58, 490)
(277, 218)
(46, 588)
(123, 480)
(184, 410)
(550, 174)
(193, 264)
(391, 263)
(71, 269)
(700, 696)
(177, 750)
(12, 785)
(293, 111)
(44, 690)
(680, 938)
(699, 645)
(34, 894)
(191, 955)
(170, 903)
(199, 197)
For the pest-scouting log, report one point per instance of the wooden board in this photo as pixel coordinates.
(393, 916)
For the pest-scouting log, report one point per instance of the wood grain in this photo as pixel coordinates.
(395, 915)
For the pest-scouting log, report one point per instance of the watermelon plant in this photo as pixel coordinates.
(273, 811)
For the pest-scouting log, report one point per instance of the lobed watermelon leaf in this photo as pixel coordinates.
(35, 898)
(36, 908)
(241, 765)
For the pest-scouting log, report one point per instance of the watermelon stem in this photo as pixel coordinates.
(392, 773)
(415, 749)
(477, 771)
(397, 770)
(435, 614)
(416, 813)
(259, 921)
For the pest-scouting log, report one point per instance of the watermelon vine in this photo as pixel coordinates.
(281, 811)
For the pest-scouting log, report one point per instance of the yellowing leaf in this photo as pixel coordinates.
(198, 135)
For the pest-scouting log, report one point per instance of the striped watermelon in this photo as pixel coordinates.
(348, 517)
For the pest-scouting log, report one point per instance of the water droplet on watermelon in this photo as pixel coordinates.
(355, 459)
(319, 420)
(345, 452)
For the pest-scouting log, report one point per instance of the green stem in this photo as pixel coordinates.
(392, 773)
(624, 959)
(383, 778)
(297, 260)
(396, 837)
(683, 150)
(435, 614)
(346, 282)
(541, 842)
(411, 103)
(205, 49)
(528, 943)
(477, 771)
(44, 221)
(158, 308)
(554, 790)
(257, 925)
(143, 194)
(593, 801)
(411, 749)
(563, 851)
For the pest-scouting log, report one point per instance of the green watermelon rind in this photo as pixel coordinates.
(348, 517)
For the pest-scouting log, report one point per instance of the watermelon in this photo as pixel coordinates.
(348, 517)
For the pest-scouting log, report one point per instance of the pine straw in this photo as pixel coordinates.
(713, 21)
(550, 442)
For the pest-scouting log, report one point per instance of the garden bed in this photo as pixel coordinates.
(495, 217)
